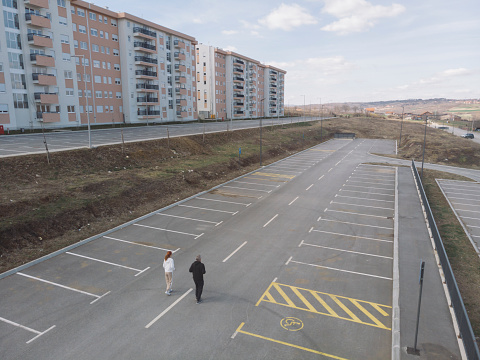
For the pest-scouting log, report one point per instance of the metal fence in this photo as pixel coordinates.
(465, 328)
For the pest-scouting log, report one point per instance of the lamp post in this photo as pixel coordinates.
(424, 142)
(401, 126)
(86, 99)
(303, 108)
(261, 105)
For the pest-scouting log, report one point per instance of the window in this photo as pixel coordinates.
(118, 95)
(102, 49)
(99, 109)
(114, 37)
(70, 108)
(20, 101)
(104, 79)
(104, 65)
(110, 94)
(89, 94)
(81, 28)
(81, 12)
(107, 50)
(61, 3)
(101, 34)
(3, 108)
(66, 57)
(113, 22)
(10, 19)
(98, 79)
(3, 88)
(98, 94)
(106, 35)
(79, 77)
(13, 40)
(106, 108)
(92, 16)
(72, 9)
(116, 52)
(68, 74)
(80, 93)
(10, 3)
(75, 44)
(105, 20)
(74, 26)
(15, 60)
(86, 78)
(116, 67)
(18, 81)
(105, 94)
(96, 64)
(69, 91)
(95, 48)
(93, 32)
(83, 45)
(120, 109)
(64, 39)
(109, 66)
(111, 108)
(117, 81)
(100, 18)
(62, 20)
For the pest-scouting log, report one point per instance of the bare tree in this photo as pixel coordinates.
(345, 108)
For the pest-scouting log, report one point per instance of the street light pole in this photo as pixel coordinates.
(86, 99)
(261, 104)
(424, 142)
(401, 126)
(303, 108)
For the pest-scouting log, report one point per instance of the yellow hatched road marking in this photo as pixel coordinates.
(344, 303)
(239, 330)
(274, 175)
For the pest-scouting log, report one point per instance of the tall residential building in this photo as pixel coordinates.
(230, 85)
(65, 63)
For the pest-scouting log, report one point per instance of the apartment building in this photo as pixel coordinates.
(231, 85)
(66, 63)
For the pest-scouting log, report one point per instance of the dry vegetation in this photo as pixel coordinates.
(85, 192)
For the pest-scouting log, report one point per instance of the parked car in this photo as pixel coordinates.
(468, 136)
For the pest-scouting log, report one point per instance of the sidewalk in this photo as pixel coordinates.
(436, 335)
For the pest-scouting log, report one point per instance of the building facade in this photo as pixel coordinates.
(231, 85)
(66, 63)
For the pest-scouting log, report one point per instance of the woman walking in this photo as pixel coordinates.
(169, 267)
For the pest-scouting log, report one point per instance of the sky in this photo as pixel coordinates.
(339, 50)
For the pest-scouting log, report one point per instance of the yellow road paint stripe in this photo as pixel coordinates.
(305, 301)
(347, 310)
(239, 330)
(274, 175)
(379, 309)
(266, 293)
(325, 305)
(371, 317)
(281, 292)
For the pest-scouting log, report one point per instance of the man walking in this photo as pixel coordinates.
(198, 269)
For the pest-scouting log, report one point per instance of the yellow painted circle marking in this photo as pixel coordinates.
(291, 324)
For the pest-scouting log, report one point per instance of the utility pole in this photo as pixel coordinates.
(401, 126)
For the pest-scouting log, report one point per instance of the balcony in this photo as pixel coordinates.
(37, 3)
(144, 46)
(42, 60)
(147, 87)
(179, 55)
(180, 68)
(273, 85)
(238, 61)
(38, 20)
(44, 79)
(238, 78)
(181, 79)
(273, 79)
(179, 44)
(238, 87)
(182, 114)
(145, 59)
(238, 95)
(239, 112)
(147, 112)
(238, 104)
(46, 98)
(48, 116)
(274, 92)
(145, 74)
(39, 40)
(238, 70)
(147, 100)
(141, 32)
(181, 102)
(181, 91)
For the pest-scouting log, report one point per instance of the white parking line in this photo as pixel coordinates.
(347, 271)
(348, 251)
(478, 227)
(242, 188)
(173, 231)
(135, 243)
(293, 167)
(350, 223)
(377, 176)
(474, 187)
(459, 198)
(367, 206)
(200, 208)
(269, 221)
(468, 210)
(109, 263)
(187, 218)
(39, 333)
(461, 193)
(353, 197)
(245, 182)
(168, 309)
(229, 256)
(461, 204)
(355, 213)
(291, 202)
(368, 187)
(366, 182)
(353, 236)
(321, 177)
(371, 178)
(223, 201)
(98, 297)
(308, 187)
(330, 170)
(366, 192)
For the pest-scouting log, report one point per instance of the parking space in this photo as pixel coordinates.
(338, 282)
(87, 274)
(464, 199)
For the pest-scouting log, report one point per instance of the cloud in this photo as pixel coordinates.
(437, 79)
(230, 48)
(229, 32)
(287, 17)
(357, 15)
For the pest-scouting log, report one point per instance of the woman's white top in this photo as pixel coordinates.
(168, 265)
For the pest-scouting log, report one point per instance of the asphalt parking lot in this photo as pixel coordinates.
(464, 199)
